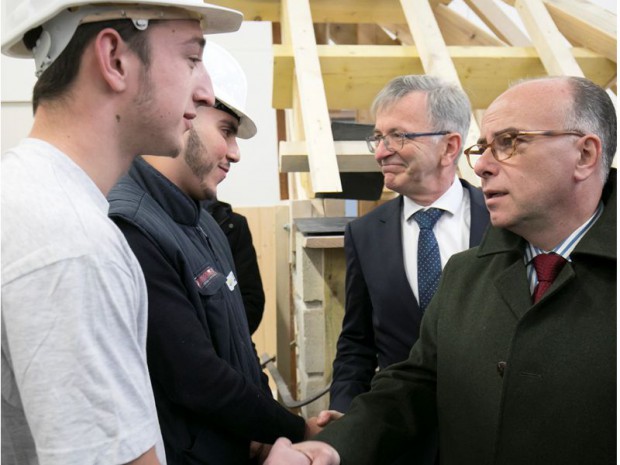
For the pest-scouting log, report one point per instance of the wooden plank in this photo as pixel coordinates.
(270, 239)
(334, 273)
(457, 30)
(323, 242)
(498, 21)
(255, 10)
(556, 56)
(428, 39)
(402, 33)
(261, 221)
(436, 60)
(315, 115)
(324, 11)
(353, 157)
(353, 74)
(586, 24)
(368, 34)
(342, 33)
(322, 226)
(285, 330)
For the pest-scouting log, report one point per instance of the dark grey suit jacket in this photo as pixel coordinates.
(382, 317)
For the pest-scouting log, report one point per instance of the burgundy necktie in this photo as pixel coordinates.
(547, 268)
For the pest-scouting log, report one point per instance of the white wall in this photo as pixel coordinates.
(253, 181)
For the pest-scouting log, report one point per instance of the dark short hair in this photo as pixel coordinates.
(56, 80)
(593, 112)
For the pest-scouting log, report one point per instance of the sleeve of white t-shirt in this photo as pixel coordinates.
(76, 347)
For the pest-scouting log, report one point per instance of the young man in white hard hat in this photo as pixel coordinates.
(211, 395)
(115, 80)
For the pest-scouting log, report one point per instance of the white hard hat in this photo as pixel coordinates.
(230, 85)
(60, 19)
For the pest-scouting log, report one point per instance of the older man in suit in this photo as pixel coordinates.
(516, 361)
(392, 271)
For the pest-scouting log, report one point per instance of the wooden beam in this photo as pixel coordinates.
(323, 242)
(255, 10)
(342, 33)
(285, 327)
(373, 34)
(436, 60)
(315, 115)
(428, 39)
(334, 273)
(324, 11)
(556, 57)
(586, 25)
(457, 30)
(353, 74)
(498, 21)
(353, 156)
(401, 31)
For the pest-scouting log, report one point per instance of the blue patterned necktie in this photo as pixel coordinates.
(429, 261)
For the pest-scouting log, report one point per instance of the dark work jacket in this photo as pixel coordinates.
(509, 382)
(237, 231)
(382, 317)
(211, 395)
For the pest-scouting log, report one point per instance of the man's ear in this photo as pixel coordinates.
(112, 57)
(590, 153)
(453, 143)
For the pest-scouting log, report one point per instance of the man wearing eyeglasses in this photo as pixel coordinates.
(420, 125)
(516, 361)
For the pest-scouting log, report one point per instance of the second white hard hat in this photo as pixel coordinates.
(60, 18)
(230, 85)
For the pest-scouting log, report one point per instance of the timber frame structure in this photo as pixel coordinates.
(330, 60)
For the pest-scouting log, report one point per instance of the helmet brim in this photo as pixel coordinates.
(214, 19)
(247, 128)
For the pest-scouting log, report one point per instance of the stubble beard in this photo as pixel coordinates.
(144, 102)
(197, 159)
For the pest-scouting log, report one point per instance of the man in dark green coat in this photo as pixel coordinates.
(514, 366)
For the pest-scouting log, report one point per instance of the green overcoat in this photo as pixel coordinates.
(509, 382)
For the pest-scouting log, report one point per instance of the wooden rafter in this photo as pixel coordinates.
(554, 54)
(499, 22)
(430, 37)
(586, 25)
(314, 112)
(325, 11)
(353, 74)
(436, 60)
(457, 30)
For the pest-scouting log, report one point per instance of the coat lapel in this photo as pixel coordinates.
(513, 288)
(391, 230)
(479, 214)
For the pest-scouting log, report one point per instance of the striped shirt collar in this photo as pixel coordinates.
(564, 248)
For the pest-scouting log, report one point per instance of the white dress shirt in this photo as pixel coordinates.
(451, 230)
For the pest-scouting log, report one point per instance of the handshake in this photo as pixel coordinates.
(283, 452)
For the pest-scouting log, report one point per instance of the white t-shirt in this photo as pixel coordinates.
(74, 318)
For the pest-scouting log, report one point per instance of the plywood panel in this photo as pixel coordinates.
(262, 222)
(334, 274)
